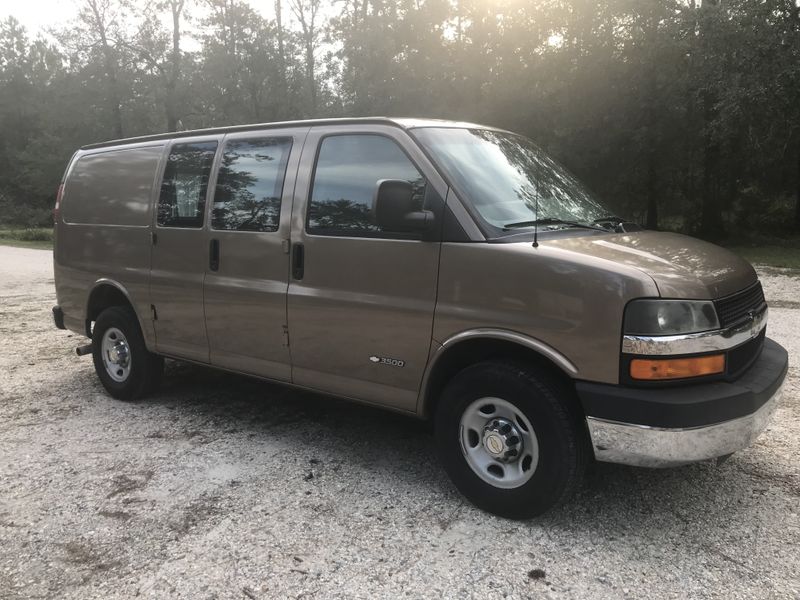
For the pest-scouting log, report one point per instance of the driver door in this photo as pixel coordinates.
(361, 300)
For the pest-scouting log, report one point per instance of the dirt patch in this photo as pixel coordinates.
(225, 487)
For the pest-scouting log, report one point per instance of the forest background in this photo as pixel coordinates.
(683, 115)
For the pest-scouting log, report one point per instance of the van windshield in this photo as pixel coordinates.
(502, 174)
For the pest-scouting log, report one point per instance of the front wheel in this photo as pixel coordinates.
(124, 365)
(508, 439)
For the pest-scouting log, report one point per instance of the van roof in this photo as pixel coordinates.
(405, 123)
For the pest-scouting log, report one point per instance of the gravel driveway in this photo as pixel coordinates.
(225, 487)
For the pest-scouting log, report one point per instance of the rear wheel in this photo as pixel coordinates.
(509, 439)
(124, 365)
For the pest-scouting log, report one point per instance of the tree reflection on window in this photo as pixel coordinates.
(507, 178)
(250, 184)
(346, 180)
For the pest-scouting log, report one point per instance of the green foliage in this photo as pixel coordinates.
(32, 235)
(38, 237)
(683, 114)
(22, 214)
(783, 253)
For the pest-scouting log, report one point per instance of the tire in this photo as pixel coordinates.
(510, 402)
(124, 378)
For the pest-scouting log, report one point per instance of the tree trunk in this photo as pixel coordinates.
(116, 109)
(279, 23)
(652, 137)
(711, 212)
(312, 86)
(306, 14)
(283, 92)
(691, 112)
(171, 103)
(797, 202)
(111, 72)
(796, 18)
(652, 199)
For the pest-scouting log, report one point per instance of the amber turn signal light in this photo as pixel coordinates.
(677, 368)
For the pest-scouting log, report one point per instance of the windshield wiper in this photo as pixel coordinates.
(618, 224)
(552, 221)
(609, 219)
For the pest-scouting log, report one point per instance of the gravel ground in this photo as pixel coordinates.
(225, 487)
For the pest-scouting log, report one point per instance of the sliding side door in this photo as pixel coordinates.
(247, 271)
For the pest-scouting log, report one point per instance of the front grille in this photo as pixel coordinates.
(744, 355)
(735, 307)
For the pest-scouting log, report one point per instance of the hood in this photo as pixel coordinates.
(681, 266)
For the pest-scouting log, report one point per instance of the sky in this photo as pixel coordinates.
(38, 15)
(35, 14)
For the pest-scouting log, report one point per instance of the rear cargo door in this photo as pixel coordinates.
(181, 249)
(247, 272)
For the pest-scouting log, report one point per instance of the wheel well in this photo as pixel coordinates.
(469, 352)
(101, 298)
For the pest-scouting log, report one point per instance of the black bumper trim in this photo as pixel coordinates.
(690, 405)
(58, 317)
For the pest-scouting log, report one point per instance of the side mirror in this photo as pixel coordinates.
(394, 208)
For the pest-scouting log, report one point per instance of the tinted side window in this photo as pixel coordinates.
(112, 187)
(250, 184)
(183, 190)
(346, 179)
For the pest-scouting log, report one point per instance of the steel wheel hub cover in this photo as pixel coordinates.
(498, 442)
(116, 354)
(502, 440)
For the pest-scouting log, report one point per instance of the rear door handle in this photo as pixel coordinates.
(213, 256)
(298, 261)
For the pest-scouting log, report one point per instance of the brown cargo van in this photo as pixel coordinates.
(443, 270)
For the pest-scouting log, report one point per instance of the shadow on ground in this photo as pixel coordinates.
(369, 438)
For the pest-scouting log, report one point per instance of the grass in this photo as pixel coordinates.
(785, 255)
(33, 237)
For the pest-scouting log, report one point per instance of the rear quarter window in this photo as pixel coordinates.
(112, 187)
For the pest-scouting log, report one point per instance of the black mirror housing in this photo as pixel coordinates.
(394, 208)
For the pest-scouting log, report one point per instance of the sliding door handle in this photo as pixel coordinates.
(298, 261)
(213, 256)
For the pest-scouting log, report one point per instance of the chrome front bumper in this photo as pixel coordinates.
(645, 446)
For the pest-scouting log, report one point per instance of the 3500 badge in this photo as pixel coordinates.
(392, 362)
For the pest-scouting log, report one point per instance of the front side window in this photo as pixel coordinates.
(509, 180)
(250, 184)
(346, 178)
(185, 183)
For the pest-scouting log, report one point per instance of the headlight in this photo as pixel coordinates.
(669, 317)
